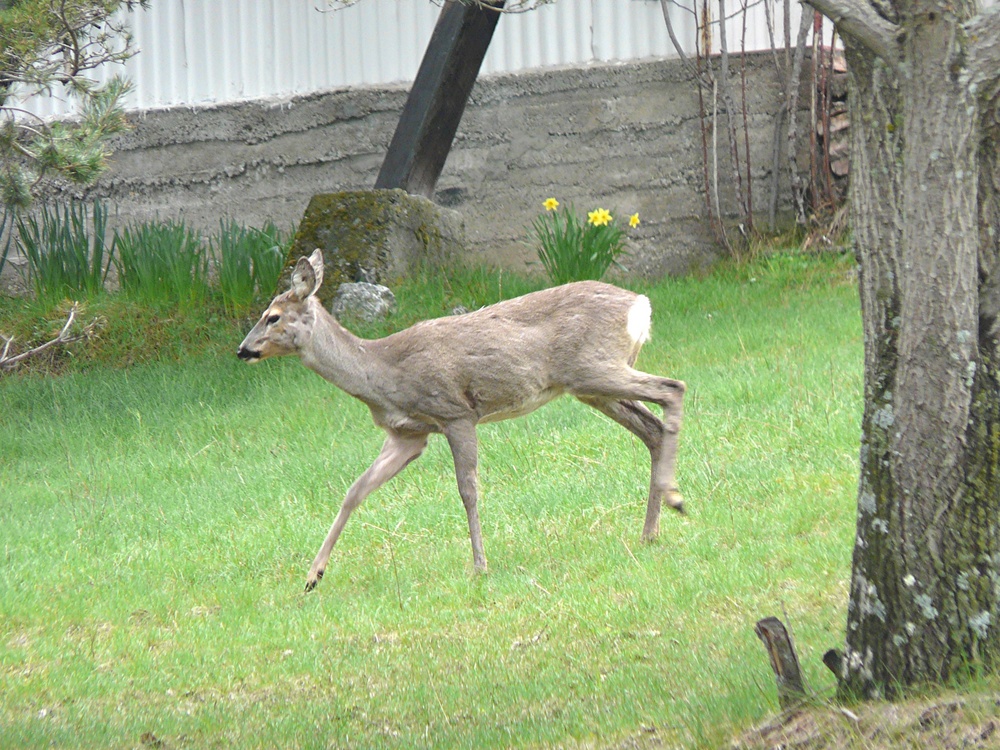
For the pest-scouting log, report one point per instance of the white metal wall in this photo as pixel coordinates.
(196, 52)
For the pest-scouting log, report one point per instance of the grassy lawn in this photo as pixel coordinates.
(157, 523)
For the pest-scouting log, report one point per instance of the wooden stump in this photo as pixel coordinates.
(784, 661)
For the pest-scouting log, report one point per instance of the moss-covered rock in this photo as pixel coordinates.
(377, 236)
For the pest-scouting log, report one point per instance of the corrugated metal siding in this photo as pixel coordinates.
(196, 52)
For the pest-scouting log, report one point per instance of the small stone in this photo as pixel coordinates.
(368, 302)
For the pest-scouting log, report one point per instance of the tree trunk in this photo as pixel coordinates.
(925, 586)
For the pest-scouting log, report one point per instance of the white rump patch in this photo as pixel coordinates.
(639, 317)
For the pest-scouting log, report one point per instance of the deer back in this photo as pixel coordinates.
(511, 357)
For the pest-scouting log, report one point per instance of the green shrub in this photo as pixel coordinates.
(66, 250)
(574, 250)
(248, 262)
(162, 262)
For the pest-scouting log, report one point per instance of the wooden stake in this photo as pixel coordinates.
(437, 100)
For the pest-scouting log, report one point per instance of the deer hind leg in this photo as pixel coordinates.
(465, 450)
(397, 452)
(617, 396)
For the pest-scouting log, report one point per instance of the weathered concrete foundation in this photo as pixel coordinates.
(625, 137)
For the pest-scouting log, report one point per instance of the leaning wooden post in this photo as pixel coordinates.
(784, 661)
(434, 108)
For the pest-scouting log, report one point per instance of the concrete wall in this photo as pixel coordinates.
(625, 137)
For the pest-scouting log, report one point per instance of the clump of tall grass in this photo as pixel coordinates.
(248, 262)
(162, 262)
(6, 234)
(66, 249)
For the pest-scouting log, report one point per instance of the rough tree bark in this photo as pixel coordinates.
(925, 179)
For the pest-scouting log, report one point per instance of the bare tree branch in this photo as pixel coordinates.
(721, 228)
(769, 21)
(727, 101)
(772, 203)
(746, 119)
(787, 28)
(8, 362)
(858, 21)
(692, 70)
(513, 6)
(792, 108)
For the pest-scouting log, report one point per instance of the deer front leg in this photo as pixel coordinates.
(397, 452)
(465, 449)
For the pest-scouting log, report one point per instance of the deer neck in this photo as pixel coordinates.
(337, 354)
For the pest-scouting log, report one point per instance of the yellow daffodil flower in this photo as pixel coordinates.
(633, 220)
(599, 217)
(551, 204)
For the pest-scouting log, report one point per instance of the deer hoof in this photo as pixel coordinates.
(650, 533)
(676, 501)
(312, 581)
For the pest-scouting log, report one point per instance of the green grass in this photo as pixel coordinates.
(158, 523)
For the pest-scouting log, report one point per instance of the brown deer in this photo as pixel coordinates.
(448, 375)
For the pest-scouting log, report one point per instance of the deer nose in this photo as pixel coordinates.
(246, 355)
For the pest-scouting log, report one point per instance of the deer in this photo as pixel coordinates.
(447, 375)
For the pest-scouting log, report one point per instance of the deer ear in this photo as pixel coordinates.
(316, 261)
(307, 276)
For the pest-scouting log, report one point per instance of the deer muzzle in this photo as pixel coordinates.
(247, 355)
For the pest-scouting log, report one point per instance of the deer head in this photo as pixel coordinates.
(288, 321)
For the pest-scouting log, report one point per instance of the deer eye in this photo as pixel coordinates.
(272, 319)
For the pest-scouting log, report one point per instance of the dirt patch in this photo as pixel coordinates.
(955, 723)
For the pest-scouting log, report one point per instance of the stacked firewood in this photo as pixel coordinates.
(832, 127)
